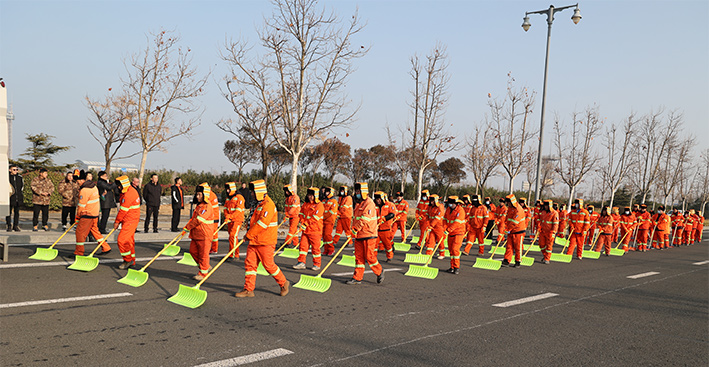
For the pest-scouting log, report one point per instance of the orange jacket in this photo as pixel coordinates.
(478, 216)
(201, 224)
(344, 208)
(421, 211)
(215, 209)
(616, 220)
(491, 212)
(563, 217)
(698, 222)
(129, 207)
(579, 221)
(292, 207)
(311, 217)
(548, 222)
(688, 222)
(386, 209)
(89, 201)
(627, 222)
(644, 221)
(605, 224)
(263, 230)
(516, 219)
(435, 216)
(330, 208)
(364, 222)
(234, 209)
(677, 221)
(454, 220)
(661, 221)
(593, 218)
(501, 218)
(402, 210)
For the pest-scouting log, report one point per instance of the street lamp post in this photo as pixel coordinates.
(525, 25)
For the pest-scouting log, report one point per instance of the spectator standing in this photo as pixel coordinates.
(246, 193)
(42, 189)
(151, 196)
(177, 197)
(108, 199)
(136, 184)
(16, 199)
(69, 190)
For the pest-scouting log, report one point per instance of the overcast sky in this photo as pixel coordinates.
(623, 56)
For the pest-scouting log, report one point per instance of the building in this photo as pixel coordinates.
(100, 166)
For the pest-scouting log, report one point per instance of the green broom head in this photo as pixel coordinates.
(527, 261)
(617, 252)
(261, 270)
(84, 263)
(191, 297)
(134, 278)
(500, 250)
(416, 258)
(313, 283)
(172, 250)
(561, 241)
(588, 254)
(290, 253)
(187, 260)
(414, 239)
(347, 260)
(402, 247)
(562, 258)
(422, 271)
(487, 264)
(44, 254)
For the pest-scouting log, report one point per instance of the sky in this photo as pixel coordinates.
(622, 56)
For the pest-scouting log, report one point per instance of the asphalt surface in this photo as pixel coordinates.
(593, 315)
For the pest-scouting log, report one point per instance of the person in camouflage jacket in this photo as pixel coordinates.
(42, 189)
(69, 190)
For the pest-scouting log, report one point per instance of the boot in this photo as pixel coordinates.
(380, 277)
(284, 289)
(245, 293)
(125, 265)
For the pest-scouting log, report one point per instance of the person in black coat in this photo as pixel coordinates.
(151, 197)
(106, 190)
(16, 198)
(177, 198)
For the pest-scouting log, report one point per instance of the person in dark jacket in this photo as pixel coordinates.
(108, 200)
(151, 196)
(177, 197)
(16, 199)
(136, 184)
(246, 193)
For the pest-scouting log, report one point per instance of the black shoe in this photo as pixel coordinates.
(451, 270)
(456, 271)
(174, 230)
(16, 229)
(516, 265)
(105, 252)
(505, 262)
(353, 281)
(387, 260)
(380, 278)
(9, 229)
(155, 231)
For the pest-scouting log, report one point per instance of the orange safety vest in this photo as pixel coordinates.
(89, 203)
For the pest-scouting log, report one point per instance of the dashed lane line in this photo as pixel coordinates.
(643, 275)
(525, 300)
(251, 358)
(62, 300)
(702, 262)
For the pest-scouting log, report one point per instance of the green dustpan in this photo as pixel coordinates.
(402, 247)
(134, 278)
(588, 254)
(191, 297)
(563, 258)
(313, 283)
(347, 260)
(422, 271)
(414, 239)
(291, 253)
(617, 252)
(416, 258)
(187, 259)
(488, 264)
(172, 250)
(44, 254)
(526, 261)
(261, 270)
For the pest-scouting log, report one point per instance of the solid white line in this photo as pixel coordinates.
(643, 275)
(256, 357)
(102, 261)
(525, 300)
(702, 262)
(61, 300)
(366, 272)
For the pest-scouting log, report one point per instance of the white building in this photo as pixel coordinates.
(100, 166)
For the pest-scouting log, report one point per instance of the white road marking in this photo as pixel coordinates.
(525, 300)
(702, 262)
(366, 272)
(101, 261)
(643, 275)
(251, 358)
(61, 300)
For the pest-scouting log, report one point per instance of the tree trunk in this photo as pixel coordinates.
(107, 160)
(403, 181)
(512, 184)
(419, 181)
(572, 190)
(294, 173)
(143, 158)
(610, 204)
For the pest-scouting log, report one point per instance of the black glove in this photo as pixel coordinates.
(389, 216)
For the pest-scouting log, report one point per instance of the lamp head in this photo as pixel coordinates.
(577, 16)
(526, 24)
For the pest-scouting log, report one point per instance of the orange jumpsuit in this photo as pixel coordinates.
(616, 226)
(605, 224)
(548, 225)
(329, 218)
(501, 220)
(234, 212)
(422, 217)
(477, 221)
(516, 225)
(292, 209)
(593, 218)
(677, 229)
(201, 228)
(215, 220)
(687, 238)
(384, 232)
(579, 223)
(402, 211)
(128, 216)
(311, 218)
(262, 237)
(661, 234)
(492, 217)
(644, 225)
(344, 218)
(563, 217)
(435, 235)
(364, 225)
(697, 228)
(87, 216)
(627, 226)
(454, 223)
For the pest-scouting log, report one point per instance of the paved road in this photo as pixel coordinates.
(585, 313)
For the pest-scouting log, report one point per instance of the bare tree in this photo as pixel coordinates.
(481, 157)
(163, 83)
(239, 152)
(112, 125)
(674, 166)
(336, 155)
(619, 160)
(428, 135)
(402, 156)
(360, 165)
(574, 145)
(703, 186)
(509, 118)
(299, 80)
